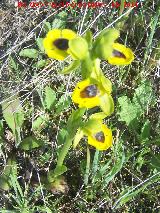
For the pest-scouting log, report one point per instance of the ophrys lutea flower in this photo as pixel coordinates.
(121, 55)
(90, 93)
(56, 43)
(97, 133)
(101, 139)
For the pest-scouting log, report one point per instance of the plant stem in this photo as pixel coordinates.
(64, 151)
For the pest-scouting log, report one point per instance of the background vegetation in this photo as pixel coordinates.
(124, 178)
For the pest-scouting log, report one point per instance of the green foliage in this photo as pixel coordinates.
(39, 42)
(132, 110)
(13, 64)
(129, 193)
(59, 170)
(30, 143)
(145, 131)
(155, 162)
(62, 104)
(128, 112)
(39, 123)
(41, 63)
(50, 97)
(47, 26)
(30, 53)
(60, 20)
(9, 170)
(14, 116)
(72, 67)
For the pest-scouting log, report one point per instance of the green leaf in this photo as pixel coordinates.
(144, 96)
(50, 97)
(73, 66)
(62, 136)
(4, 183)
(39, 123)
(41, 63)
(145, 131)
(78, 48)
(11, 167)
(63, 103)
(89, 38)
(155, 161)
(107, 104)
(128, 112)
(86, 67)
(75, 121)
(115, 168)
(1, 128)
(30, 53)
(39, 42)
(13, 114)
(59, 170)
(30, 143)
(78, 137)
(47, 26)
(131, 192)
(13, 64)
(59, 21)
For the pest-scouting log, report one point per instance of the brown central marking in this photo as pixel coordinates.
(100, 137)
(89, 92)
(61, 43)
(118, 54)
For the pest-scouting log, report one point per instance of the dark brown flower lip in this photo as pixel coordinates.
(61, 43)
(99, 136)
(89, 92)
(118, 54)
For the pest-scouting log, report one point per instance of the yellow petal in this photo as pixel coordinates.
(56, 54)
(125, 57)
(47, 43)
(68, 34)
(54, 34)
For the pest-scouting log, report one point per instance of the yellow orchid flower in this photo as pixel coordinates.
(56, 43)
(121, 55)
(97, 133)
(88, 93)
(102, 139)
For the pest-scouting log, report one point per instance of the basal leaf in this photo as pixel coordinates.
(59, 170)
(39, 42)
(13, 114)
(50, 97)
(30, 143)
(144, 95)
(4, 183)
(145, 131)
(30, 53)
(128, 112)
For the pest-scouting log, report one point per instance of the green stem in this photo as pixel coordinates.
(64, 151)
(87, 167)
